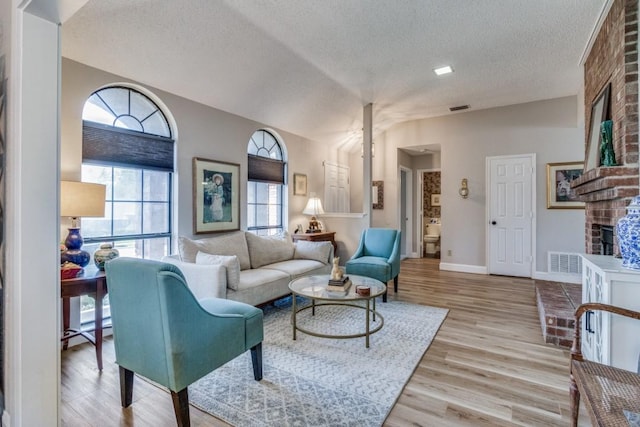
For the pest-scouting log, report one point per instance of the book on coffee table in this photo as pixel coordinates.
(339, 282)
(342, 288)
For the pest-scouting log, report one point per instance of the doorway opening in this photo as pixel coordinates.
(429, 212)
(405, 212)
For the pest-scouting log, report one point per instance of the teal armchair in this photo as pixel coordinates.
(163, 333)
(377, 256)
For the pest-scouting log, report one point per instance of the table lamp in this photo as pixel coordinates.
(79, 199)
(313, 208)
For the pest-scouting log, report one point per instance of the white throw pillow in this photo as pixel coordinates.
(225, 244)
(317, 251)
(229, 261)
(265, 250)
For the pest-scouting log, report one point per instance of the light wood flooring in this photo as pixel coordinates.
(488, 365)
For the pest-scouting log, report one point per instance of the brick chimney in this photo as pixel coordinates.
(613, 59)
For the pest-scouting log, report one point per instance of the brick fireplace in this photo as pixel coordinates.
(613, 59)
(606, 191)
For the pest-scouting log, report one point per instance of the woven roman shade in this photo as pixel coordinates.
(120, 147)
(263, 169)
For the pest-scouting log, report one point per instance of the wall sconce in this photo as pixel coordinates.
(464, 189)
(373, 149)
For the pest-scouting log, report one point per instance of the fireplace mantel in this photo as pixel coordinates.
(607, 183)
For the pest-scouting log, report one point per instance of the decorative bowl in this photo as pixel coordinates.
(363, 290)
(69, 270)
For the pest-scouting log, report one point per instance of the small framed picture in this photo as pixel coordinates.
(377, 195)
(216, 196)
(299, 184)
(435, 200)
(560, 195)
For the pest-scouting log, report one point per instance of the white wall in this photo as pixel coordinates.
(426, 161)
(32, 276)
(5, 70)
(548, 128)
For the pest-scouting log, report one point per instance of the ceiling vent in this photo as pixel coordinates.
(459, 107)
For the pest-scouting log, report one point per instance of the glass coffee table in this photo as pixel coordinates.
(315, 288)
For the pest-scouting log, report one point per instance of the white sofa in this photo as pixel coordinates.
(244, 267)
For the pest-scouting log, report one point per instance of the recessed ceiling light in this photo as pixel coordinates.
(443, 70)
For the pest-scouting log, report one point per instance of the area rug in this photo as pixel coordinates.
(318, 381)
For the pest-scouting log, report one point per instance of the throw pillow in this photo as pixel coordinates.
(317, 251)
(265, 250)
(229, 261)
(226, 244)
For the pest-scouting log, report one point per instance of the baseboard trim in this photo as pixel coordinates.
(558, 277)
(463, 268)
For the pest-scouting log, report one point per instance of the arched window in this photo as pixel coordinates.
(127, 145)
(265, 186)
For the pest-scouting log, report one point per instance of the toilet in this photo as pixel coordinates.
(432, 239)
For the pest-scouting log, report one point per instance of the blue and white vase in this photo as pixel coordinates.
(106, 253)
(628, 230)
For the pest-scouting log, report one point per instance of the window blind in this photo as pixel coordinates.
(103, 144)
(265, 170)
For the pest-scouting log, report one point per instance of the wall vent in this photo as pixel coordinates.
(565, 262)
(458, 108)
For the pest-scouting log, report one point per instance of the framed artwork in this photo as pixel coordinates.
(435, 200)
(377, 194)
(216, 196)
(559, 192)
(299, 184)
(599, 113)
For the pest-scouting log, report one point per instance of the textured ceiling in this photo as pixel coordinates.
(309, 66)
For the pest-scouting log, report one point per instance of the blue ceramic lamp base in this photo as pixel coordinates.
(74, 252)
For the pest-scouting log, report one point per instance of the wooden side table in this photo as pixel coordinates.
(92, 283)
(325, 236)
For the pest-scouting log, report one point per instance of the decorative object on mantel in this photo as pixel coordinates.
(560, 195)
(106, 253)
(599, 113)
(313, 208)
(79, 199)
(464, 189)
(628, 230)
(377, 194)
(607, 155)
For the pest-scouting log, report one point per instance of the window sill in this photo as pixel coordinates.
(355, 215)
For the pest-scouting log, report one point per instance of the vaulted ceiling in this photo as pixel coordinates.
(309, 66)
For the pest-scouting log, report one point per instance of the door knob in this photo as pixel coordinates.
(493, 223)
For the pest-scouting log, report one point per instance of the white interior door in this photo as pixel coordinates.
(511, 213)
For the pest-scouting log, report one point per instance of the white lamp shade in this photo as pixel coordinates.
(314, 206)
(82, 199)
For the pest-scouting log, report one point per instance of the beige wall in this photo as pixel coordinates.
(201, 132)
(548, 128)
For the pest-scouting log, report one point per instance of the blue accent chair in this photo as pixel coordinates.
(377, 256)
(163, 333)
